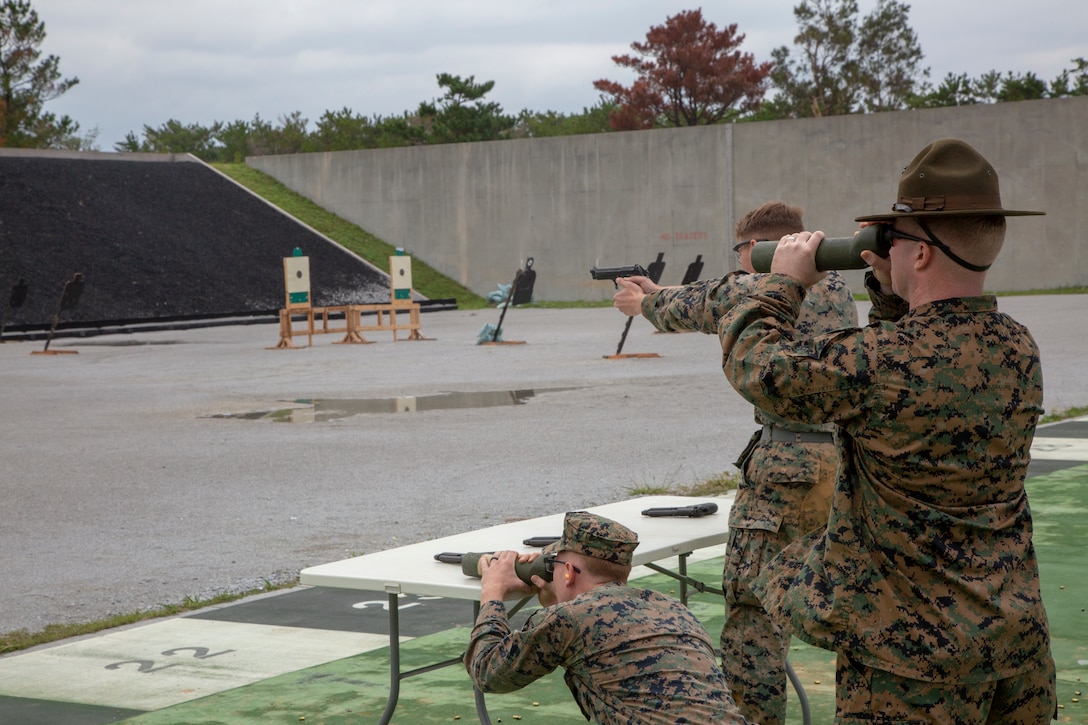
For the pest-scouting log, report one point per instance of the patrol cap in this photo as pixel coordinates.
(947, 178)
(596, 537)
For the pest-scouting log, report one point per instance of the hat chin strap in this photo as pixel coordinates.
(947, 250)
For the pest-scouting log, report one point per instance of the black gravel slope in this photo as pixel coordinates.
(155, 240)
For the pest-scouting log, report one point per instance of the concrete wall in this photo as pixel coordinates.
(476, 211)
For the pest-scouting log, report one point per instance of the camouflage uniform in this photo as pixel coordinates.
(926, 569)
(630, 655)
(784, 493)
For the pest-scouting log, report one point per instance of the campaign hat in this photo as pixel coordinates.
(948, 178)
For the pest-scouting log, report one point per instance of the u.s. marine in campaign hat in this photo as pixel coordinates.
(596, 537)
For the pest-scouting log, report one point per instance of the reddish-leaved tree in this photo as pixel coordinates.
(689, 73)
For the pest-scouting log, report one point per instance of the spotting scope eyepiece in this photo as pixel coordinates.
(833, 252)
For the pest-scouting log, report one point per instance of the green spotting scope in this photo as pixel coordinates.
(470, 565)
(833, 252)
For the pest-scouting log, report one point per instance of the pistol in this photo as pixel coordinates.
(694, 512)
(539, 541)
(611, 273)
(449, 557)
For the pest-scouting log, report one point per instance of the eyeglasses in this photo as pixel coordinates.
(741, 246)
(551, 561)
(894, 233)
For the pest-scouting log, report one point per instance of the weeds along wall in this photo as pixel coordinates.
(475, 212)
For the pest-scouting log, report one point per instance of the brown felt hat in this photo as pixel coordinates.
(947, 178)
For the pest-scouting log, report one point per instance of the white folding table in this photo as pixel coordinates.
(413, 569)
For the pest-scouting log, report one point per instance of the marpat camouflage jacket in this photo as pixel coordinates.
(927, 568)
(630, 656)
(780, 489)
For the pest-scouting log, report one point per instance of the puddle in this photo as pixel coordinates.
(325, 409)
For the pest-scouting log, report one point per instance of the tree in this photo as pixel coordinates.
(846, 67)
(461, 115)
(27, 82)
(261, 138)
(131, 144)
(888, 70)
(954, 90)
(1024, 87)
(175, 137)
(992, 87)
(1060, 87)
(341, 131)
(345, 130)
(72, 142)
(536, 124)
(291, 137)
(689, 73)
(233, 138)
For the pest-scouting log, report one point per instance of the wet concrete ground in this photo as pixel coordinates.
(129, 481)
(146, 468)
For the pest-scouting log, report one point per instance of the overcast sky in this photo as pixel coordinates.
(144, 62)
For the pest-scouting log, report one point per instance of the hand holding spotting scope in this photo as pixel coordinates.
(470, 565)
(833, 252)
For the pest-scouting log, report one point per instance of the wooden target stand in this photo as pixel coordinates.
(400, 285)
(319, 320)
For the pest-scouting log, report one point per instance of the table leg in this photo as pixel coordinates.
(681, 575)
(481, 704)
(394, 659)
(802, 697)
(683, 567)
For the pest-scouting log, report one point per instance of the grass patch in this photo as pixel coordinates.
(1055, 291)
(716, 486)
(425, 279)
(21, 639)
(1066, 414)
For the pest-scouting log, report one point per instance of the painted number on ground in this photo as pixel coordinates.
(200, 653)
(383, 604)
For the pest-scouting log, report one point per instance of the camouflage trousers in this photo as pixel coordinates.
(753, 645)
(875, 697)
